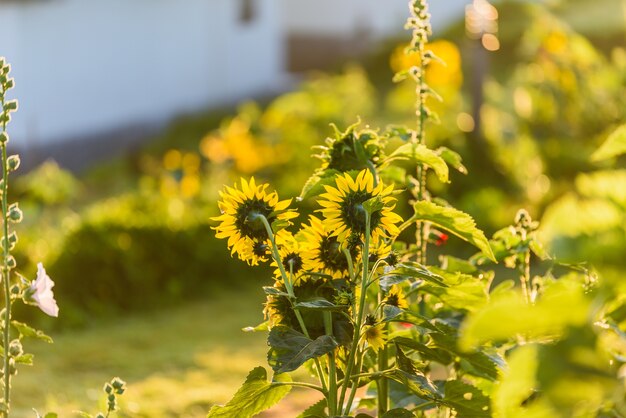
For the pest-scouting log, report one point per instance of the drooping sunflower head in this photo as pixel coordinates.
(240, 219)
(343, 207)
(323, 252)
(254, 252)
(279, 309)
(290, 251)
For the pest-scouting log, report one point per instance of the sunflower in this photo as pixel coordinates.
(290, 251)
(255, 252)
(323, 252)
(395, 297)
(344, 212)
(379, 249)
(374, 334)
(239, 220)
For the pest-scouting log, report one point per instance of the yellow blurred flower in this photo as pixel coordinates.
(437, 73)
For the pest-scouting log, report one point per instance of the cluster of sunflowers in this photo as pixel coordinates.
(342, 279)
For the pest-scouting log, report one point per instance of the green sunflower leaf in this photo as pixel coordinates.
(454, 221)
(27, 331)
(256, 395)
(289, 349)
(408, 270)
(614, 145)
(315, 184)
(419, 384)
(316, 410)
(467, 400)
(422, 155)
(398, 413)
(319, 304)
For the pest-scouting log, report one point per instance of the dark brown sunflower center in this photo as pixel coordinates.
(246, 221)
(292, 261)
(393, 300)
(260, 249)
(353, 212)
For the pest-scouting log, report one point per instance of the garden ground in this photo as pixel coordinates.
(176, 362)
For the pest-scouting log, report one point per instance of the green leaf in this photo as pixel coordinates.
(27, 331)
(467, 400)
(289, 349)
(406, 271)
(419, 384)
(453, 159)
(507, 314)
(614, 145)
(398, 413)
(319, 304)
(390, 312)
(316, 410)
(26, 359)
(256, 395)
(454, 221)
(263, 326)
(425, 352)
(463, 292)
(272, 291)
(315, 184)
(422, 155)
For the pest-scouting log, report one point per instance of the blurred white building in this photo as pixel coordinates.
(87, 67)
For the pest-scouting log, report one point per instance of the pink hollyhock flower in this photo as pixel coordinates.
(40, 291)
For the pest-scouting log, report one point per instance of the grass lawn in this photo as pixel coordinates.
(176, 362)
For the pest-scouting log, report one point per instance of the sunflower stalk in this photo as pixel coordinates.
(359, 316)
(332, 371)
(290, 292)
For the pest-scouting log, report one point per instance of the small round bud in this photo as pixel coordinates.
(15, 348)
(13, 162)
(4, 137)
(5, 118)
(108, 388)
(15, 213)
(12, 367)
(10, 83)
(3, 79)
(6, 69)
(11, 262)
(15, 289)
(118, 383)
(100, 415)
(111, 398)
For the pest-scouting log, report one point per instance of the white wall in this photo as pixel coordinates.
(88, 66)
(346, 17)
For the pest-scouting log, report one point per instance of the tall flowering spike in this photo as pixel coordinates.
(344, 211)
(240, 223)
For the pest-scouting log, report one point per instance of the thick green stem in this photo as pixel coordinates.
(382, 384)
(332, 371)
(301, 384)
(289, 288)
(359, 316)
(6, 272)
